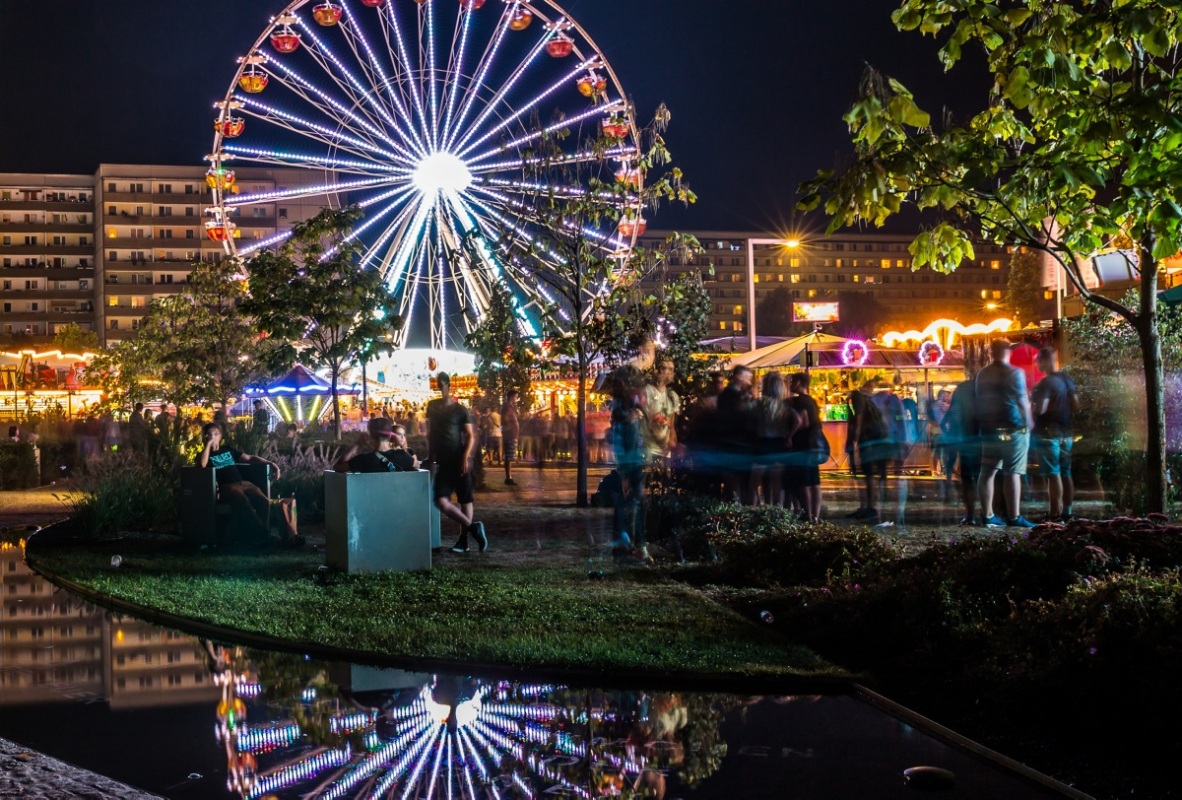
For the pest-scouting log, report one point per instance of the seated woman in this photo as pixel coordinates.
(390, 453)
(248, 500)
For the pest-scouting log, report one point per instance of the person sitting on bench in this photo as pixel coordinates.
(248, 500)
(390, 453)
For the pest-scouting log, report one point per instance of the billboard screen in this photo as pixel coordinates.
(815, 312)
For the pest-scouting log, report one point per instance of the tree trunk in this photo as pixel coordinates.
(336, 404)
(1155, 405)
(581, 498)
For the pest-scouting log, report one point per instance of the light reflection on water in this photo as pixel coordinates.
(189, 718)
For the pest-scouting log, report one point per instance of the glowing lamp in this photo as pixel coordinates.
(253, 82)
(521, 19)
(592, 85)
(471, 5)
(855, 353)
(285, 41)
(931, 354)
(615, 127)
(632, 226)
(327, 14)
(560, 46)
(230, 127)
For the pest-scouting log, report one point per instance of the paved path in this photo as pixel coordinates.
(25, 773)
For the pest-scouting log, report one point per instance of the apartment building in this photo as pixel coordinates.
(819, 267)
(96, 249)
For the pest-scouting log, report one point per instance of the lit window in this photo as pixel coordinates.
(812, 292)
(886, 263)
(994, 265)
(737, 310)
(722, 325)
(794, 278)
(984, 293)
(839, 262)
(857, 279)
(795, 262)
(996, 295)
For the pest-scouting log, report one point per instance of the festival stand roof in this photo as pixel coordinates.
(828, 352)
(303, 381)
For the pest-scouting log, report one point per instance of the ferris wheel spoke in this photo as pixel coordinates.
(287, 159)
(262, 244)
(429, 75)
(609, 241)
(486, 61)
(326, 136)
(392, 27)
(566, 122)
(453, 78)
(397, 225)
(363, 97)
(393, 199)
(578, 157)
(331, 107)
(308, 191)
(392, 88)
(491, 106)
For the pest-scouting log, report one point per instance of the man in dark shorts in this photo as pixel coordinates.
(247, 499)
(1054, 404)
(390, 453)
(451, 441)
(958, 433)
(870, 438)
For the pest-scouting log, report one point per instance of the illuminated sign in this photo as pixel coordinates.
(814, 312)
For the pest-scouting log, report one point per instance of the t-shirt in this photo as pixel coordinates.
(446, 423)
(1001, 391)
(388, 461)
(661, 408)
(959, 423)
(1057, 389)
(224, 461)
(866, 421)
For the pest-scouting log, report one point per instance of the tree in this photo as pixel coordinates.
(774, 313)
(504, 354)
(1024, 287)
(195, 346)
(862, 315)
(1079, 143)
(71, 338)
(569, 254)
(316, 303)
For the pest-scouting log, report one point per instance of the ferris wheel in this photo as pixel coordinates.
(427, 114)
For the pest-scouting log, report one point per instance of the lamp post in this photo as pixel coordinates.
(792, 244)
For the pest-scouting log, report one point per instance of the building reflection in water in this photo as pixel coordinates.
(55, 647)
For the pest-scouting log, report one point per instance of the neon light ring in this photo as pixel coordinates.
(854, 353)
(424, 113)
(931, 354)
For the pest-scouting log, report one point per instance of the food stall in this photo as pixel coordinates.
(33, 382)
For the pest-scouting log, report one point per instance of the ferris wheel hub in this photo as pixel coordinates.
(441, 172)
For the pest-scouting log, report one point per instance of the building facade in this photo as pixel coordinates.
(846, 265)
(96, 249)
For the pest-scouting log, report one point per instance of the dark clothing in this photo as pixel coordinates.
(137, 428)
(802, 470)
(223, 461)
(450, 477)
(1058, 389)
(262, 419)
(1001, 391)
(388, 461)
(447, 440)
(734, 421)
(959, 424)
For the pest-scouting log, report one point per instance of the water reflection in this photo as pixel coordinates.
(391, 733)
(135, 702)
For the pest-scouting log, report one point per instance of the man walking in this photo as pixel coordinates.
(451, 441)
(1003, 412)
(1054, 404)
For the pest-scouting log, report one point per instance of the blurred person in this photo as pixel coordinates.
(962, 444)
(937, 409)
(806, 439)
(774, 420)
(868, 445)
(897, 447)
(627, 420)
(112, 433)
(661, 408)
(451, 443)
(734, 429)
(493, 435)
(137, 429)
(1003, 414)
(261, 418)
(1054, 404)
(545, 437)
(510, 434)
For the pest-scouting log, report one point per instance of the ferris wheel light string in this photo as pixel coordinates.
(435, 769)
(321, 50)
(402, 254)
(384, 755)
(279, 155)
(567, 122)
(371, 220)
(333, 102)
(465, 144)
(356, 30)
(491, 106)
(473, 94)
(404, 53)
(577, 157)
(255, 246)
(308, 191)
(455, 71)
(301, 771)
(391, 229)
(430, 75)
(401, 154)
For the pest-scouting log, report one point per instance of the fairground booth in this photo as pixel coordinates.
(33, 382)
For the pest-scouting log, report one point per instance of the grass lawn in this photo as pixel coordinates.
(488, 613)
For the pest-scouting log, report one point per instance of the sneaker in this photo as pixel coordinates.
(885, 525)
(461, 546)
(967, 522)
(510, 482)
(994, 522)
(867, 514)
(477, 532)
(1019, 522)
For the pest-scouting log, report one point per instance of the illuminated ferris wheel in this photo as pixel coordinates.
(429, 115)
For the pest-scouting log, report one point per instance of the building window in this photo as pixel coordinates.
(283, 213)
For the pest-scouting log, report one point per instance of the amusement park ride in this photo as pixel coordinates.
(425, 114)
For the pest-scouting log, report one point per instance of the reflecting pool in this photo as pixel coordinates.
(188, 718)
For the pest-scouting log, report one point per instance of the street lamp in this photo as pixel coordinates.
(791, 244)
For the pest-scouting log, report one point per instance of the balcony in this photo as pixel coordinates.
(46, 205)
(135, 288)
(21, 227)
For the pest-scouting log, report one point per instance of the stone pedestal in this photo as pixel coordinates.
(379, 521)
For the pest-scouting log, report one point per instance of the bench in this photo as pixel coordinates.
(204, 520)
(379, 521)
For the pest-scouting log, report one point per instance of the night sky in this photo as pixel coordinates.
(757, 88)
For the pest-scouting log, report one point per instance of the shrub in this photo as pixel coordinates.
(301, 475)
(125, 492)
(59, 459)
(18, 466)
